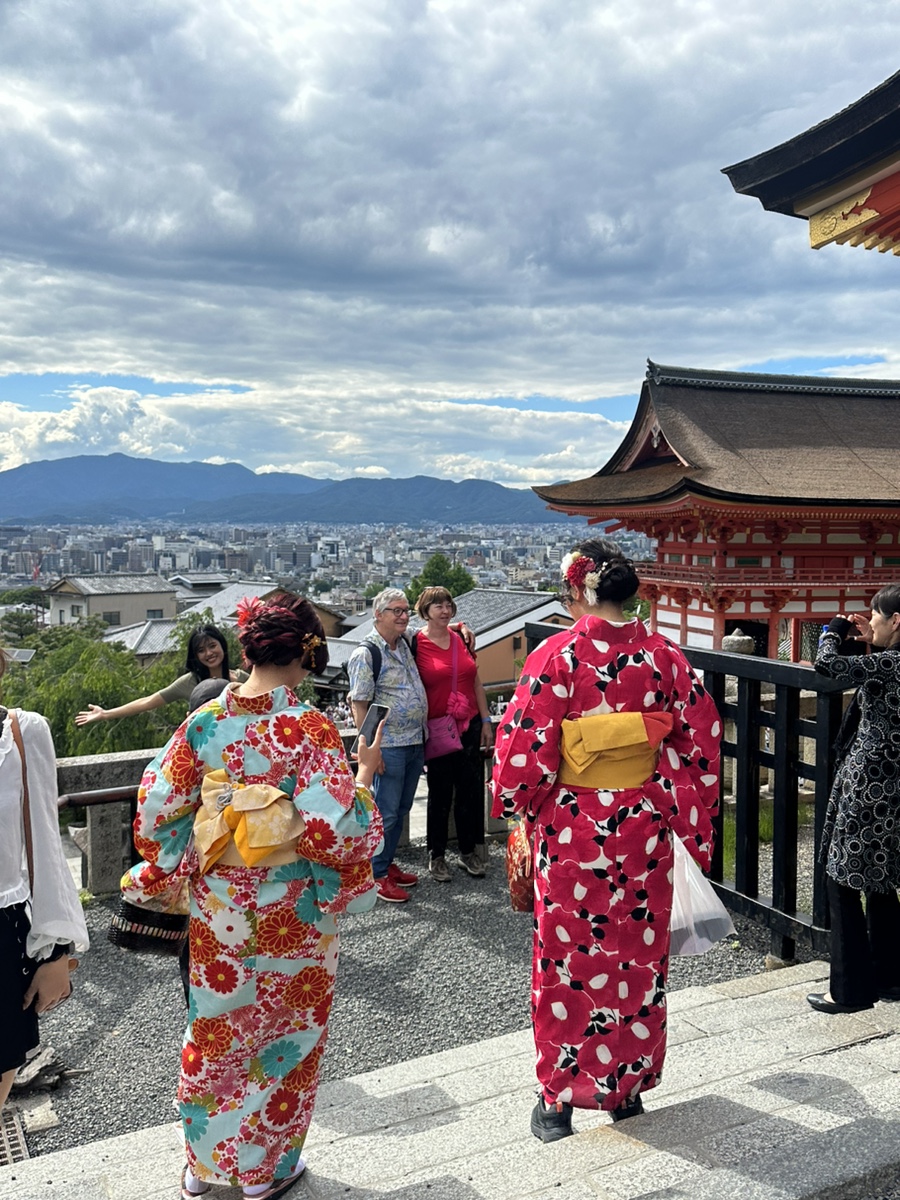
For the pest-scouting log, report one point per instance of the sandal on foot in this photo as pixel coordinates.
(186, 1193)
(279, 1187)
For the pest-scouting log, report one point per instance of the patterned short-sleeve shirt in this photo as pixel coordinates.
(399, 686)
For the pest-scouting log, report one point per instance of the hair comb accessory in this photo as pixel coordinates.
(582, 572)
(248, 609)
(310, 641)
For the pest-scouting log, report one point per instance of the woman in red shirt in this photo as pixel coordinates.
(455, 779)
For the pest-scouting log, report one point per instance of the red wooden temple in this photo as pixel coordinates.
(774, 499)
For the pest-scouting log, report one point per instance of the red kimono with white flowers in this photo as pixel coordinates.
(603, 859)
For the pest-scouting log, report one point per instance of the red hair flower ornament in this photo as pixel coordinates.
(248, 608)
(582, 572)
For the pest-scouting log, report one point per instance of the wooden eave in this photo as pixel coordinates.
(695, 498)
(842, 175)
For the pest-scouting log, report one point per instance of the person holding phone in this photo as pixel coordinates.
(860, 847)
(398, 687)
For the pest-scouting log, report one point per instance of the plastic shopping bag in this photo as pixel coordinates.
(699, 918)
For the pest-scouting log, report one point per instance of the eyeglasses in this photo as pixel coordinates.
(398, 612)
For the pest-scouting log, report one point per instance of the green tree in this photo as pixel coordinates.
(32, 595)
(373, 589)
(439, 571)
(635, 607)
(18, 625)
(73, 667)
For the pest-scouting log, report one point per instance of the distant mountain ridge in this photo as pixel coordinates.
(102, 488)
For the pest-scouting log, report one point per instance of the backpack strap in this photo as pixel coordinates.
(375, 658)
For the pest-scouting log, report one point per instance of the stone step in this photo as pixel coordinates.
(763, 1099)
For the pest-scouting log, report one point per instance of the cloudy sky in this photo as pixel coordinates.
(398, 237)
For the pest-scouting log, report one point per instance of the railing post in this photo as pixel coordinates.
(785, 804)
(829, 710)
(714, 682)
(746, 789)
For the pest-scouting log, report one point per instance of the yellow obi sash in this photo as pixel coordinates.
(244, 824)
(611, 751)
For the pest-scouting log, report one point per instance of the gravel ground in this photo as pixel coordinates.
(449, 968)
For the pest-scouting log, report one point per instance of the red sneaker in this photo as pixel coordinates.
(388, 890)
(404, 879)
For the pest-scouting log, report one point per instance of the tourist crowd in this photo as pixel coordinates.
(255, 834)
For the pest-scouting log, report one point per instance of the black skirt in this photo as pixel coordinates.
(20, 1028)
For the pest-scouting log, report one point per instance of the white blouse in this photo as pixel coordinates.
(55, 911)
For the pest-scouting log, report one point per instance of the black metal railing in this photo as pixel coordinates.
(765, 728)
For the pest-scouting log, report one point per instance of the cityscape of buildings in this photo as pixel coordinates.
(337, 565)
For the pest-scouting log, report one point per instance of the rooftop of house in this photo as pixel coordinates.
(771, 438)
(112, 585)
(224, 604)
(145, 637)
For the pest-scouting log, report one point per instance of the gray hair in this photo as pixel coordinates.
(386, 598)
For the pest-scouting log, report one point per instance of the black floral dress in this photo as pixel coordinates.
(861, 837)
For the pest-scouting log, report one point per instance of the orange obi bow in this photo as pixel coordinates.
(610, 751)
(257, 817)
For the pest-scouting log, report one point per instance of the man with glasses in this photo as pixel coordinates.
(398, 685)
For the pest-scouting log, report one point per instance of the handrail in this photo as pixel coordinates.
(688, 574)
(116, 795)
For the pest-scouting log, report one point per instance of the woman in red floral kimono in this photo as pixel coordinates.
(254, 807)
(609, 743)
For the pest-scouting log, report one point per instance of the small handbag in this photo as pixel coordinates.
(26, 821)
(136, 927)
(443, 732)
(520, 868)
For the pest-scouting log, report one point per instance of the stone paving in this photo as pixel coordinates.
(763, 1099)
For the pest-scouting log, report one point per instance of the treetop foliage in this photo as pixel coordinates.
(440, 572)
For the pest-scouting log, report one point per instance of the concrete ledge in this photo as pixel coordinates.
(764, 1099)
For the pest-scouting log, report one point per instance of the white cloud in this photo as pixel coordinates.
(371, 213)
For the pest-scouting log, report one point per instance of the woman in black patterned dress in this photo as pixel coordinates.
(861, 839)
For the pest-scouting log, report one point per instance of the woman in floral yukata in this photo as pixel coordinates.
(254, 805)
(609, 743)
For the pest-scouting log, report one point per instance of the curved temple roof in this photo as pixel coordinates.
(768, 438)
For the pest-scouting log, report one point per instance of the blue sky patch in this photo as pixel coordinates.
(53, 391)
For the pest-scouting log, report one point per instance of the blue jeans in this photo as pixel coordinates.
(394, 792)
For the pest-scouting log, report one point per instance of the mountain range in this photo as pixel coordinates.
(95, 489)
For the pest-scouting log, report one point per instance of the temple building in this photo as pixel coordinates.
(774, 500)
(842, 176)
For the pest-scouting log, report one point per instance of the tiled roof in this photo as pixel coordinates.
(776, 438)
(224, 604)
(199, 580)
(339, 651)
(115, 585)
(483, 608)
(145, 637)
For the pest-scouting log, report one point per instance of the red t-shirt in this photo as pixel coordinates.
(436, 668)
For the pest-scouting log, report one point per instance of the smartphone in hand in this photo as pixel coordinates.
(373, 718)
